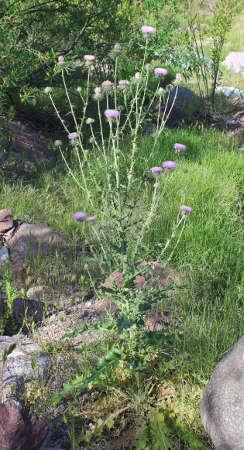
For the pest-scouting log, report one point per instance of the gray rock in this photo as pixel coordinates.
(185, 103)
(235, 122)
(31, 310)
(185, 99)
(35, 292)
(222, 405)
(31, 240)
(18, 368)
(234, 62)
(230, 92)
(6, 220)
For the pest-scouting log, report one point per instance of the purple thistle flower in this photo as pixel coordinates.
(178, 77)
(97, 90)
(137, 77)
(156, 169)
(124, 83)
(111, 113)
(79, 216)
(117, 47)
(160, 71)
(91, 218)
(60, 59)
(107, 85)
(180, 147)
(89, 57)
(170, 165)
(161, 91)
(73, 135)
(187, 209)
(116, 50)
(148, 30)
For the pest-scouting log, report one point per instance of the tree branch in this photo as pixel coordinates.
(88, 22)
(90, 19)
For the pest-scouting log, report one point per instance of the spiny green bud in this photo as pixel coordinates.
(58, 143)
(89, 121)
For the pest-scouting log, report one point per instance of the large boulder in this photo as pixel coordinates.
(31, 240)
(177, 105)
(185, 99)
(25, 240)
(18, 429)
(234, 62)
(222, 405)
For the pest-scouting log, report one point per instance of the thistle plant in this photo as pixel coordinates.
(124, 112)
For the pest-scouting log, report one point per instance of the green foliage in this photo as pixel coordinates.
(34, 33)
(206, 58)
(223, 13)
(161, 431)
(134, 347)
(8, 352)
(154, 433)
(7, 321)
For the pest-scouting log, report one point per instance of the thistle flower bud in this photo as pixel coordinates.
(89, 121)
(161, 91)
(61, 61)
(57, 143)
(48, 90)
(116, 50)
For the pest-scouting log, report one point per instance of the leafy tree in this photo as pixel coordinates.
(33, 33)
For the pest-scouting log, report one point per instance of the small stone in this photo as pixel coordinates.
(35, 292)
(4, 255)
